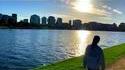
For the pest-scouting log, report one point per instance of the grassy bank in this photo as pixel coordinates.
(111, 55)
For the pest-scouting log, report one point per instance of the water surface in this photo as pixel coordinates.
(25, 49)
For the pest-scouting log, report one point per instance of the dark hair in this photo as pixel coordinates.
(96, 40)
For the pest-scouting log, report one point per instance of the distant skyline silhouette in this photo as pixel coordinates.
(38, 22)
(106, 11)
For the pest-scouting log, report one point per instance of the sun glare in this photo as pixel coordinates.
(83, 6)
(83, 39)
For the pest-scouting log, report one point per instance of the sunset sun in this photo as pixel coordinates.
(83, 6)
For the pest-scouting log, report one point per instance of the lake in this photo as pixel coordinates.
(22, 49)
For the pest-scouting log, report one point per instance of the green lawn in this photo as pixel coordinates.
(111, 55)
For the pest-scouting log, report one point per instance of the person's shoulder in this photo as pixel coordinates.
(88, 46)
(100, 49)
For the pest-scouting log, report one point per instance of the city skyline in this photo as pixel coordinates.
(107, 11)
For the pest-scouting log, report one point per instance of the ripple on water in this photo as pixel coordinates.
(25, 49)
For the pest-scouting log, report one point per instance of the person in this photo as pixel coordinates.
(94, 56)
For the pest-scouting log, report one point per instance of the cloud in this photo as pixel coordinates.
(107, 7)
(117, 11)
(59, 15)
(100, 10)
(65, 1)
(112, 10)
(93, 9)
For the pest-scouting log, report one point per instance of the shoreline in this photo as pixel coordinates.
(112, 54)
(55, 29)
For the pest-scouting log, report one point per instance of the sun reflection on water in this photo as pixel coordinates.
(83, 37)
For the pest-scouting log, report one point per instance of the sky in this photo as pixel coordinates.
(105, 11)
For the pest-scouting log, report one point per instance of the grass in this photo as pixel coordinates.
(111, 55)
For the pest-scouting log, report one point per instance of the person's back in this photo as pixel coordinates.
(94, 58)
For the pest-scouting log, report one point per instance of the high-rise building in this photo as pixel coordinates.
(59, 21)
(1, 16)
(25, 20)
(51, 20)
(70, 22)
(14, 16)
(44, 20)
(77, 23)
(5, 19)
(35, 19)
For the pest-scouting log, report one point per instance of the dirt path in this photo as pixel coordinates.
(119, 65)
